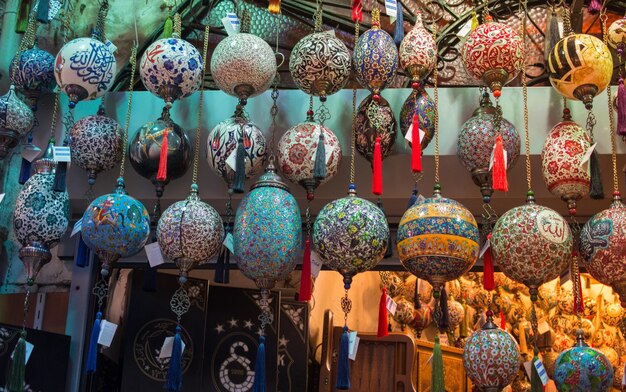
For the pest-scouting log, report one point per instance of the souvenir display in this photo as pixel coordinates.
(33, 74)
(418, 51)
(16, 120)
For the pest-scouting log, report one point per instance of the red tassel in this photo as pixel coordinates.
(304, 294)
(162, 173)
(502, 320)
(377, 180)
(621, 108)
(498, 172)
(416, 150)
(382, 315)
(488, 281)
(357, 11)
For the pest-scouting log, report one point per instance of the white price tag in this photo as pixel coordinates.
(443, 339)
(506, 158)
(528, 368)
(29, 349)
(153, 252)
(624, 375)
(316, 264)
(464, 31)
(354, 345)
(1, 197)
(391, 305)
(168, 345)
(229, 242)
(231, 23)
(409, 134)
(231, 161)
(61, 154)
(484, 249)
(541, 370)
(391, 9)
(55, 7)
(107, 332)
(543, 327)
(111, 46)
(30, 152)
(77, 227)
(587, 155)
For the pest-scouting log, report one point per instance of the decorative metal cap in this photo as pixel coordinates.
(270, 179)
(486, 107)
(120, 189)
(193, 193)
(46, 164)
(489, 324)
(580, 338)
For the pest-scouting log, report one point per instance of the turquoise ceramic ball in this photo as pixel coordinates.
(583, 369)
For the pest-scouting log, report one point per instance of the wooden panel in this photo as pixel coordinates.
(455, 378)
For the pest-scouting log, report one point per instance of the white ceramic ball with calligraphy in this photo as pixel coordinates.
(84, 69)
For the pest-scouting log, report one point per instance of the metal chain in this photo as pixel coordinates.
(26, 307)
(133, 66)
(357, 28)
(99, 32)
(55, 113)
(177, 27)
(436, 101)
(346, 307)
(525, 95)
(308, 220)
(317, 17)
(26, 42)
(603, 18)
(196, 153)
(274, 113)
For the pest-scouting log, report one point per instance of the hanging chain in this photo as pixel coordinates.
(346, 306)
(266, 317)
(26, 307)
(317, 17)
(177, 25)
(99, 31)
(357, 27)
(55, 114)
(27, 42)
(567, 22)
(308, 220)
(133, 66)
(534, 326)
(525, 96)
(274, 113)
(196, 153)
(603, 19)
(436, 102)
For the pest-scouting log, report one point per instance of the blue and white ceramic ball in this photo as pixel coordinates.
(33, 73)
(171, 68)
(115, 226)
(375, 59)
(268, 231)
(16, 120)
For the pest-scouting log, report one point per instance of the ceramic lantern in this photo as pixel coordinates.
(96, 144)
(617, 33)
(190, 232)
(222, 143)
(612, 314)
(320, 64)
(422, 317)
(115, 226)
(561, 162)
(491, 357)
(16, 120)
(404, 312)
(493, 53)
(84, 69)
(40, 216)
(603, 247)
(33, 73)
(366, 132)
(418, 51)
(580, 67)
(171, 68)
(268, 231)
(419, 101)
(456, 313)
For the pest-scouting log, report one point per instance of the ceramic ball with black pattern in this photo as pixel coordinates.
(243, 65)
(190, 232)
(171, 68)
(320, 64)
(404, 312)
(617, 35)
(84, 69)
(419, 101)
(222, 145)
(33, 74)
(456, 312)
(16, 120)
(96, 144)
(366, 132)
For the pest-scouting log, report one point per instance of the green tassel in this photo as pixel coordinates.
(18, 366)
(535, 380)
(168, 28)
(438, 384)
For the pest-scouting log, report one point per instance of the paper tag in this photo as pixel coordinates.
(391, 305)
(1, 197)
(527, 366)
(168, 345)
(107, 332)
(61, 154)
(443, 339)
(587, 155)
(541, 370)
(229, 241)
(153, 252)
(77, 227)
(232, 159)
(409, 134)
(543, 327)
(30, 152)
(506, 158)
(331, 32)
(111, 46)
(464, 31)
(565, 277)
(391, 9)
(231, 23)
(316, 264)
(624, 375)
(29, 349)
(486, 246)
(354, 345)
(54, 8)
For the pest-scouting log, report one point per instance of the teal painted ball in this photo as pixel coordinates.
(583, 369)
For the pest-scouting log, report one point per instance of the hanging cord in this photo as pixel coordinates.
(133, 66)
(603, 19)
(436, 101)
(55, 114)
(99, 31)
(525, 96)
(196, 153)
(357, 28)
(27, 42)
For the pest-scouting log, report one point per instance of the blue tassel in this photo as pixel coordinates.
(412, 199)
(92, 354)
(398, 34)
(240, 166)
(43, 10)
(319, 167)
(219, 266)
(343, 367)
(59, 177)
(82, 253)
(149, 280)
(174, 381)
(259, 368)
(24, 171)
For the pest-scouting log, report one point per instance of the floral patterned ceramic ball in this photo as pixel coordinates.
(422, 317)
(320, 64)
(115, 226)
(84, 69)
(561, 342)
(457, 313)
(16, 120)
(562, 323)
(190, 232)
(243, 65)
(96, 144)
(33, 73)
(611, 355)
(437, 240)
(171, 68)
(419, 101)
(404, 312)
(582, 369)
(351, 235)
(588, 328)
(222, 142)
(612, 314)
(268, 231)
(491, 357)
(494, 53)
(565, 302)
(603, 337)
(617, 33)
(297, 149)
(366, 133)
(532, 244)
(418, 51)
(590, 307)
(392, 283)
(580, 67)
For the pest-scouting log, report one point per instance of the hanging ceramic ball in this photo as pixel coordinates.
(297, 149)
(320, 64)
(222, 142)
(588, 328)
(366, 132)
(580, 67)
(33, 73)
(375, 57)
(418, 51)
(476, 140)
(115, 226)
(422, 317)
(565, 303)
(493, 53)
(40, 216)
(96, 144)
(243, 65)
(171, 68)
(419, 101)
(617, 33)
(404, 312)
(268, 231)
(603, 247)
(144, 151)
(532, 245)
(16, 120)
(491, 357)
(612, 314)
(190, 232)
(84, 69)
(582, 369)
(457, 313)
